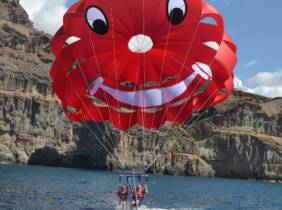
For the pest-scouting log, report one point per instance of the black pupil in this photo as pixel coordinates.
(176, 16)
(100, 27)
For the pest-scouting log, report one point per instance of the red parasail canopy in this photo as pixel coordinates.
(143, 62)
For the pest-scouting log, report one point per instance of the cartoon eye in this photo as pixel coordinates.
(176, 11)
(97, 20)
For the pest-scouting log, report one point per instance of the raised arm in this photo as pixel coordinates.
(146, 191)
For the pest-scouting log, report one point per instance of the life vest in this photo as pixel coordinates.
(139, 194)
(123, 194)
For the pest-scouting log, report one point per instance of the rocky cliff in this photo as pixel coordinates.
(241, 138)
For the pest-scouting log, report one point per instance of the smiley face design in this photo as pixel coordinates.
(141, 62)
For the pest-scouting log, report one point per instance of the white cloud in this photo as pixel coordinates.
(251, 63)
(266, 79)
(47, 15)
(272, 92)
(268, 84)
(238, 84)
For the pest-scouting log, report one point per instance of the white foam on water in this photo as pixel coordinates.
(143, 207)
(147, 208)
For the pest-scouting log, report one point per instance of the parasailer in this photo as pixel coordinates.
(143, 63)
(132, 186)
(138, 196)
(123, 196)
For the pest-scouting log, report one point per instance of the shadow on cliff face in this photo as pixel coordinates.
(87, 153)
(46, 156)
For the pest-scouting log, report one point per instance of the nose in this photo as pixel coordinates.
(140, 44)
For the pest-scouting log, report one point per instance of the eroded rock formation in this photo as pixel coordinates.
(241, 138)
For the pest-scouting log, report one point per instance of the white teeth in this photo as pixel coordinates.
(72, 40)
(145, 98)
(98, 83)
(213, 45)
(205, 68)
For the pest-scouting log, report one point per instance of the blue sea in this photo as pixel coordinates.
(30, 187)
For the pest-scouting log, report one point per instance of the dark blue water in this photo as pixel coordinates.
(25, 187)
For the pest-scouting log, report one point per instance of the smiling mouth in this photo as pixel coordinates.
(156, 96)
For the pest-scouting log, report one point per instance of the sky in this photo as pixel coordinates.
(254, 25)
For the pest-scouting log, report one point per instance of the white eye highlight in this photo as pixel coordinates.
(176, 11)
(97, 20)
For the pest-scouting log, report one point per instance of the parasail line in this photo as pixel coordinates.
(94, 134)
(80, 68)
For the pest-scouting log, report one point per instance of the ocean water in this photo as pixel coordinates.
(28, 187)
